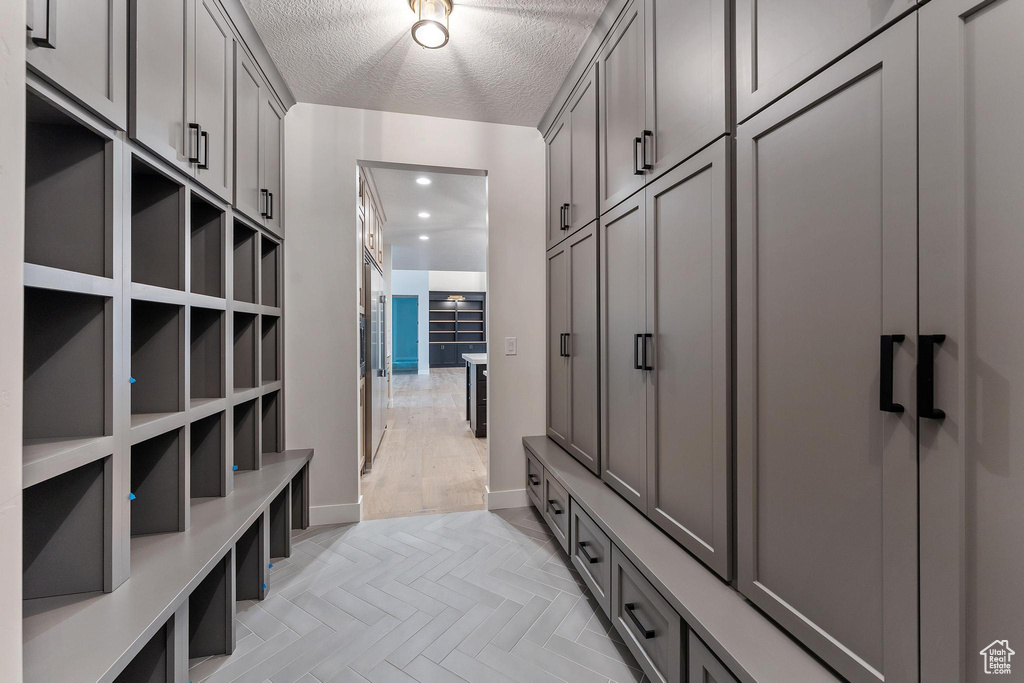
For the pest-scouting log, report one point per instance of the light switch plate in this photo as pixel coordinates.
(510, 346)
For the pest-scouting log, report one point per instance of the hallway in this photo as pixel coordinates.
(429, 461)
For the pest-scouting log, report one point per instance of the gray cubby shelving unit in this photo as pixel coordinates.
(133, 270)
(252, 560)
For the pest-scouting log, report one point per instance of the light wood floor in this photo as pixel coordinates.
(429, 460)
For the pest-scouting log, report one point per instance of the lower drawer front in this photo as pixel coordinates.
(704, 666)
(556, 509)
(591, 554)
(534, 481)
(651, 629)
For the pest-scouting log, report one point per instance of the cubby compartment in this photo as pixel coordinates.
(157, 227)
(300, 494)
(245, 264)
(211, 613)
(245, 351)
(270, 361)
(281, 524)
(68, 187)
(207, 450)
(67, 366)
(207, 245)
(251, 560)
(271, 422)
(246, 446)
(155, 661)
(63, 518)
(270, 273)
(158, 332)
(158, 492)
(207, 353)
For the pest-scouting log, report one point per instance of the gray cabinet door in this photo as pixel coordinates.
(557, 331)
(272, 153)
(621, 117)
(212, 83)
(623, 326)
(779, 43)
(972, 482)
(559, 161)
(248, 100)
(582, 114)
(689, 238)
(826, 264)
(157, 116)
(686, 78)
(81, 46)
(582, 349)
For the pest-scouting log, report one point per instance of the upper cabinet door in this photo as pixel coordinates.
(689, 238)
(212, 85)
(622, 114)
(623, 340)
(582, 115)
(581, 348)
(248, 101)
(157, 117)
(558, 331)
(780, 43)
(826, 460)
(687, 98)
(972, 482)
(81, 46)
(559, 159)
(271, 139)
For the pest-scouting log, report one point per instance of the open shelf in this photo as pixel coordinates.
(270, 273)
(207, 446)
(281, 524)
(245, 351)
(271, 422)
(67, 369)
(68, 185)
(157, 225)
(244, 264)
(300, 493)
(157, 469)
(271, 344)
(251, 560)
(63, 518)
(158, 332)
(155, 661)
(211, 613)
(207, 248)
(246, 445)
(207, 353)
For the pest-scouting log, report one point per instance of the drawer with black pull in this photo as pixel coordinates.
(535, 481)
(556, 510)
(651, 629)
(591, 554)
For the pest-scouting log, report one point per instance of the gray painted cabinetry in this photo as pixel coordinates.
(249, 98)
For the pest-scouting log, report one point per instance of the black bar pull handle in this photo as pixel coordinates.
(645, 364)
(561, 217)
(886, 354)
(565, 336)
(582, 545)
(553, 506)
(534, 481)
(643, 151)
(264, 201)
(270, 205)
(565, 220)
(637, 338)
(647, 633)
(195, 142)
(636, 162)
(926, 376)
(204, 137)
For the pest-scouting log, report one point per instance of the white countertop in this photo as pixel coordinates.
(475, 358)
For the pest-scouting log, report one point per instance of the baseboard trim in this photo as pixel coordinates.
(501, 500)
(345, 513)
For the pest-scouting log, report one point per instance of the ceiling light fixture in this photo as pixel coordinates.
(424, 237)
(423, 181)
(431, 27)
(423, 214)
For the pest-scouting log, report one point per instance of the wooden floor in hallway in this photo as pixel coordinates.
(429, 461)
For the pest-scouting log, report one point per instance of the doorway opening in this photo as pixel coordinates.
(424, 392)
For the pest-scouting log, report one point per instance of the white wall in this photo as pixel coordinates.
(12, 249)
(457, 281)
(416, 283)
(323, 144)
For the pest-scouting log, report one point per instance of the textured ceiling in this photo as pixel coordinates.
(504, 63)
(457, 226)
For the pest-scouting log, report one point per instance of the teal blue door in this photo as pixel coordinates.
(405, 326)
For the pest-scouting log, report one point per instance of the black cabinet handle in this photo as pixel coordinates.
(204, 137)
(643, 151)
(553, 506)
(565, 221)
(586, 553)
(646, 632)
(645, 365)
(636, 162)
(534, 481)
(270, 205)
(264, 202)
(926, 376)
(198, 132)
(565, 344)
(885, 380)
(636, 351)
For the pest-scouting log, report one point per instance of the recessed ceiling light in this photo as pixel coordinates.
(424, 237)
(423, 214)
(423, 181)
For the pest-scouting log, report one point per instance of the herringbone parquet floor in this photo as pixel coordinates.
(467, 596)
